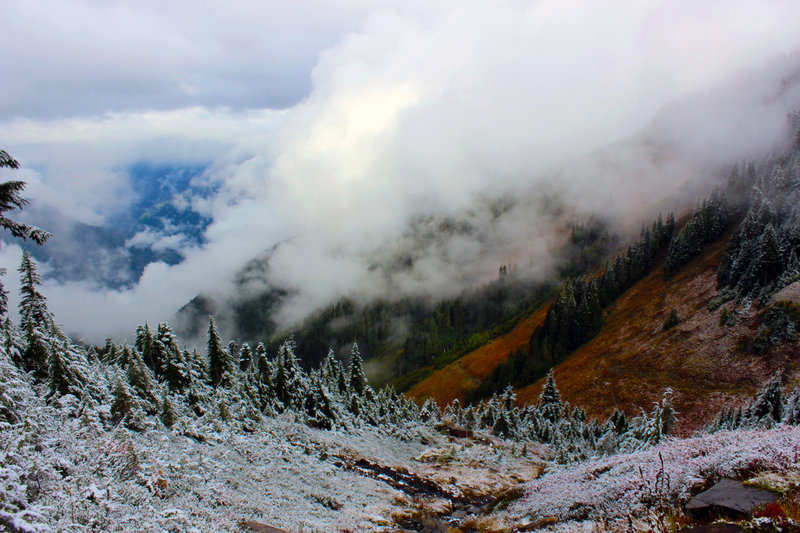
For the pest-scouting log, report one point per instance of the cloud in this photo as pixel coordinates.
(92, 56)
(424, 113)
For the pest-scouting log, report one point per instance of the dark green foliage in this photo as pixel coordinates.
(36, 353)
(726, 319)
(769, 408)
(33, 305)
(576, 315)
(140, 378)
(357, 381)
(779, 323)
(707, 224)
(245, 357)
(123, 403)
(549, 403)
(168, 414)
(221, 367)
(762, 255)
(672, 320)
(69, 372)
(10, 199)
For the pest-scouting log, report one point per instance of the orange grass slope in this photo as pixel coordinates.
(632, 360)
(454, 380)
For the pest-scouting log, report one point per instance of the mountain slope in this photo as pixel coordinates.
(454, 380)
(632, 360)
(705, 363)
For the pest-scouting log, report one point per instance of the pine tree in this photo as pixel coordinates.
(549, 404)
(32, 306)
(245, 357)
(357, 381)
(10, 199)
(168, 414)
(768, 407)
(144, 338)
(220, 362)
(123, 403)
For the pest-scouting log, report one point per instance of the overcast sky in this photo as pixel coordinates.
(332, 122)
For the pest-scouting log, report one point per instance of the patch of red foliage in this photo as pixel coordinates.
(454, 380)
(632, 361)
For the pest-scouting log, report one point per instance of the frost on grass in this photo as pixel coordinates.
(613, 487)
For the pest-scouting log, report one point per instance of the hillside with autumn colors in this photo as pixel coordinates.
(686, 331)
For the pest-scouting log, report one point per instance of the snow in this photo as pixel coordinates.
(611, 488)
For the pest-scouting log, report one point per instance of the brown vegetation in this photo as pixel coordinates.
(633, 359)
(454, 380)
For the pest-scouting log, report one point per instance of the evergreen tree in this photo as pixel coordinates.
(10, 199)
(220, 363)
(123, 403)
(168, 414)
(32, 306)
(768, 407)
(357, 381)
(245, 357)
(144, 339)
(549, 403)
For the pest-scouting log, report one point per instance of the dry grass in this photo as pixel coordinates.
(454, 380)
(632, 361)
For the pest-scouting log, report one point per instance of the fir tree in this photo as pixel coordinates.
(357, 381)
(168, 414)
(768, 407)
(123, 403)
(32, 306)
(220, 362)
(10, 199)
(549, 403)
(245, 357)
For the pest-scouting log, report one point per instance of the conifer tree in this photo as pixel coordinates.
(768, 407)
(168, 414)
(245, 357)
(141, 378)
(32, 306)
(144, 339)
(220, 362)
(549, 404)
(10, 199)
(357, 381)
(123, 403)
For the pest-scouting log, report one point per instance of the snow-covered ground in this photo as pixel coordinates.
(74, 475)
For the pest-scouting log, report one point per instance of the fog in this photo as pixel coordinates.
(418, 119)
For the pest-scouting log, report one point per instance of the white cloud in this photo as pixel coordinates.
(422, 110)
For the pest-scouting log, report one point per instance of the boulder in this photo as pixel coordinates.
(730, 498)
(252, 525)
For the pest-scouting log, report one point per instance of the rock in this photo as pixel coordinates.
(536, 524)
(713, 528)
(252, 525)
(729, 496)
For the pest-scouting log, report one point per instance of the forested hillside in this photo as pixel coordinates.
(719, 290)
(58, 396)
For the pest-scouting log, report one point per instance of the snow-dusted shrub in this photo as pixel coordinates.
(612, 487)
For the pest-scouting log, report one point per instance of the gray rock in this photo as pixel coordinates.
(731, 495)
